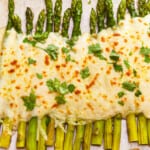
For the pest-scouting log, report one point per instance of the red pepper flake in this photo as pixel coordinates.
(107, 49)
(77, 92)
(103, 39)
(17, 87)
(14, 63)
(90, 106)
(11, 71)
(125, 40)
(115, 43)
(128, 73)
(46, 61)
(58, 67)
(116, 34)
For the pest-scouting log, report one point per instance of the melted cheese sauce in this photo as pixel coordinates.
(95, 97)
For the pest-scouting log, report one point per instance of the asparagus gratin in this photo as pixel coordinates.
(72, 91)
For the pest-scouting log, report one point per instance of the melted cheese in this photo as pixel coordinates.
(95, 97)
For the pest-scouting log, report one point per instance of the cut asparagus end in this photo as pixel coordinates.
(108, 134)
(68, 142)
(87, 136)
(142, 129)
(21, 135)
(116, 132)
(59, 142)
(132, 128)
(50, 133)
(97, 133)
(148, 130)
(79, 137)
(32, 134)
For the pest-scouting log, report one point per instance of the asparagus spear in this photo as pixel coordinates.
(97, 133)
(73, 8)
(49, 15)
(100, 10)
(32, 134)
(141, 8)
(132, 128)
(5, 136)
(87, 136)
(21, 134)
(108, 134)
(93, 21)
(66, 22)
(17, 23)
(69, 138)
(57, 15)
(142, 129)
(42, 137)
(121, 10)
(77, 19)
(79, 137)
(29, 20)
(40, 22)
(148, 130)
(11, 8)
(50, 133)
(59, 143)
(110, 14)
(116, 132)
(131, 8)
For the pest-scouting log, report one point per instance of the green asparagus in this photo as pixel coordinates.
(108, 134)
(93, 21)
(98, 132)
(148, 130)
(132, 128)
(87, 137)
(66, 22)
(141, 7)
(110, 20)
(57, 15)
(73, 8)
(142, 129)
(17, 23)
(32, 134)
(49, 14)
(100, 10)
(11, 8)
(29, 20)
(21, 135)
(121, 10)
(116, 132)
(131, 8)
(40, 22)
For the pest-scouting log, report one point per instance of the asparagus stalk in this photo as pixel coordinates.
(87, 136)
(17, 23)
(148, 130)
(131, 8)
(132, 128)
(59, 142)
(57, 15)
(29, 20)
(93, 21)
(110, 14)
(121, 10)
(69, 138)
(49, 14)
(42, 135)
(141, 8)
(32, 134)
(77, 19)
(40, 22)
(11, 8)
(5, 136)
(100, 10)
(73, 8)
(21, 134)
(79, 137)
(97, 133)
(66, 22)
(116, 132)
(50, 133)
(142, 129)
(108, 134)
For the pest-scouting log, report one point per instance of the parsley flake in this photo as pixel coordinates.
(40, 37)
(121, 94)
(114, 56)
(31, 61)
(85, 73)
(126, 62)
(121, 103)
(39, 76)
(65, 50)
(71, 88)
(130, 86)
(146, 53)
(138, 93)
(60, 99)
(31, 42)
(118, 68)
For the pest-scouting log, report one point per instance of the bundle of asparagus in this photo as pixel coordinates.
(95, 132)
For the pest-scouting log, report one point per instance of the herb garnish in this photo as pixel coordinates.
(121, 103)
(130, 86)
(85, 73)
(145, 51)
(126, 62)
(114, 56)
(39, 76)
(121, 94)
(118, 68)
(31, 61)
(138, 93)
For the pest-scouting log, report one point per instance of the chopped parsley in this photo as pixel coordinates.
(121, 94)
(130, 86)
(29, 101)
(68, 58)
(71, 88)
(145, 51)
(65, 50)
(126, 62)
(40, 37)
(31, 61)
(114, 56)
(52, 51)
(60, 99)
(39, 76)
(118, 68)
(85, 73)
(121, 103)
(96, 50)
(138, 93)
(31, 42)
(134, 72)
